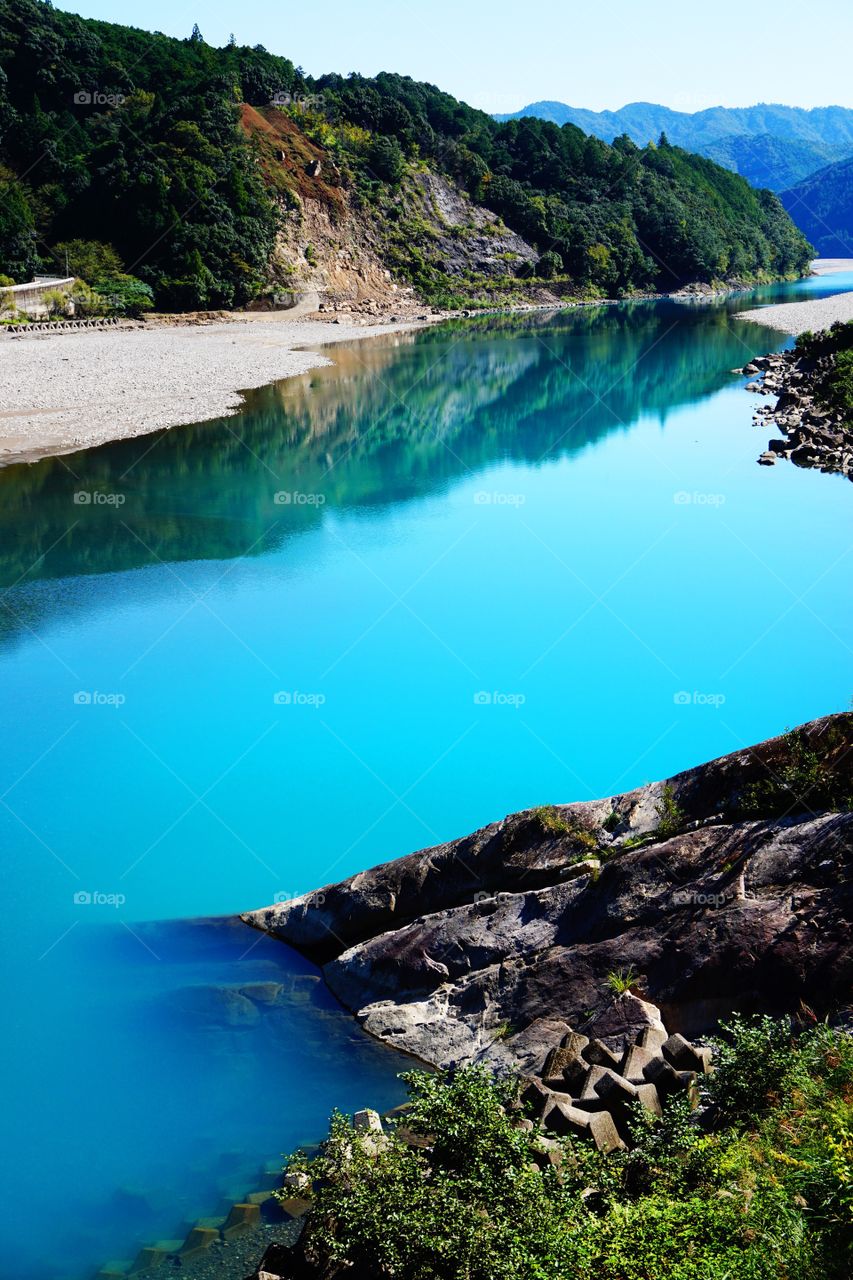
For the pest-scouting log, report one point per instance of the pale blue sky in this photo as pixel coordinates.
(500, 56)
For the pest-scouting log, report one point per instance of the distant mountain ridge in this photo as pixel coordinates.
(769, 144)
(822, 207)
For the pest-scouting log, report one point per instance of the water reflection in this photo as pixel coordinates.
(393, 419)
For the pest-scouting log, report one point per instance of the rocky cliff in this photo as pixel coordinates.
(362, 256)
(725, 887)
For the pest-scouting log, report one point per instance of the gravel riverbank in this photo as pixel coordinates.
(811, 314)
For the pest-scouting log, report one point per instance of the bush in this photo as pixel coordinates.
(671, 817)
(802, 780)
(549, 265)
(87, 302)
(56, 302)
(385, 158)
(124, 295)
(752, 1061)
(770, 1196)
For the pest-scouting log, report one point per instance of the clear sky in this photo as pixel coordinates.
(501, 56)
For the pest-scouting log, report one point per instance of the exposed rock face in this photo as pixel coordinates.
(492, 948)
(814, 436)
(345, 251)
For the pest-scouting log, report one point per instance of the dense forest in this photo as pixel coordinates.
(132, 140)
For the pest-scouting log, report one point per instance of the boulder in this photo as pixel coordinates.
(623, 1019)
(367, 1121)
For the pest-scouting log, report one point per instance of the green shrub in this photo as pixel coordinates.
(752, 1062)
(55, 302)
(549, 265)
(766, 1193)
(802, 780)
(670, 817)
(124, 295)
(622, 980)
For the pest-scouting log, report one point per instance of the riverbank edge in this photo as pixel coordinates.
(814, 436)
(175, 371)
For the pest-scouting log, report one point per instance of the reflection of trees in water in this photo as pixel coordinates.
(394, 418)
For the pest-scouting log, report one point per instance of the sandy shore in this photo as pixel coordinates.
(61, 393)
(798, 317)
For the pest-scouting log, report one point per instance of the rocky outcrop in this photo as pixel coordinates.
(813, 435)
(357, 255)
(726, 887)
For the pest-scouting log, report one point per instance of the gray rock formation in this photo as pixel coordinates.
(813, 434)
(727, 887)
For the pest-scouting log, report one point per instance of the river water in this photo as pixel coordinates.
(499, 563)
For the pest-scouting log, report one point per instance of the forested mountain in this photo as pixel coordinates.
(822, 206)
(770, 145)
(767, 160)
(134, 140)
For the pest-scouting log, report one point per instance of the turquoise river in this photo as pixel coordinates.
(494, 564)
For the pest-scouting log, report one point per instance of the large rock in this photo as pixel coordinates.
(482, 949)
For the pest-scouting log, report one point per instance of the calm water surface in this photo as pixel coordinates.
(492, 565)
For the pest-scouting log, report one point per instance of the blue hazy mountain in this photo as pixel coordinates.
(822, 207)
(769, 144)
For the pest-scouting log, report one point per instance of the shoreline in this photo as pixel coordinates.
(62, 394)
(795, 318)
(65, 393)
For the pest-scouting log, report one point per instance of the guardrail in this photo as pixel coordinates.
(61, 326)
